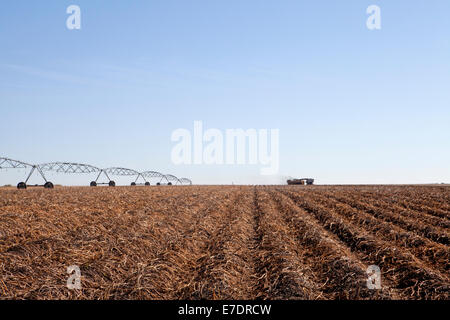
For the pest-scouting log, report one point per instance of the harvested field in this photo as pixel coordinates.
(225, 242)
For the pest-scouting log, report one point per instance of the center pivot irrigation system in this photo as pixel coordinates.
(80, 168)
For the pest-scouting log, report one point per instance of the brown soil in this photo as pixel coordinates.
(225, 242)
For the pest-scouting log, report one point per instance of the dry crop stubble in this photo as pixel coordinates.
(434, 253)
(225, 242)
(414, 278)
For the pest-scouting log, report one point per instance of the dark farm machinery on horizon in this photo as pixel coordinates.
(302, 181)
(80, 168)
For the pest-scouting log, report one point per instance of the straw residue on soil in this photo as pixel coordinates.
(225, 242)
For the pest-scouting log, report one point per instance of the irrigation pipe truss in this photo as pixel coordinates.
(80, 168)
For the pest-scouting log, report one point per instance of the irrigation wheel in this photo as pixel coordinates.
(48, 185)
(21, 185)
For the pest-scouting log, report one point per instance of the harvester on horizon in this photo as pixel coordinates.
(302, 181)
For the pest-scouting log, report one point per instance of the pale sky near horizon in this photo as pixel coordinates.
(353, 106)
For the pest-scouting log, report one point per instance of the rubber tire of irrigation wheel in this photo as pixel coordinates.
(169, 184)
(112, 184)
(158, 184)
(93, 184)
(133, 184)
(147, 183)
(21, 185)
(48, 185)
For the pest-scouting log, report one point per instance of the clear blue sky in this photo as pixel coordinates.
(352, 105)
